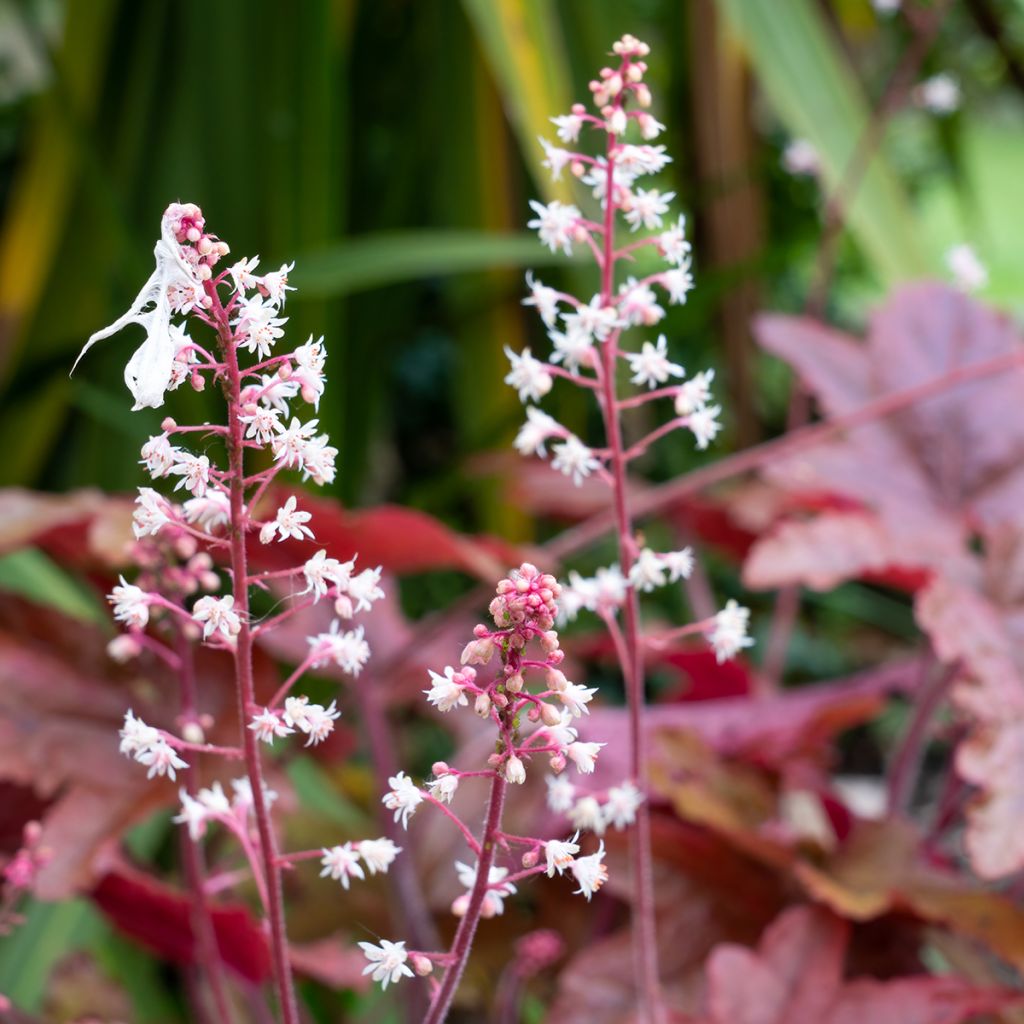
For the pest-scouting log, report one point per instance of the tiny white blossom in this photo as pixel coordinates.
(444, 787)
(561, 793)
(387, 961)
(638, 304)
(194, 471)
(638, 160)
(559, 854)
(584, 755)
(242, 274)
(593, 319)
(544, 298)
(939, 94)
(341, 863)
(679, 564)
(136, 735)
(704, 424)
(348, 650)
(651, 364)
(538, 429)
(268, 724)
(289, 522)
(193, 814)
(494, 901)
(672, 243)
(262, 423)
(622, 804)
(576, 698)
(276, 283)
(528, 376)
(573, 458)
(648, 571)
(161, 759)
(214, 800)
(365, 588)
(801, 159)
(590, 872)
(378, 854)
(514, 771)
(728, 635)
(647, 207)
(567, 126)
(555, 158)
(403, 798)
(131, 604)
(968, 271)
(678, 282)
(695, 393)
(445, 693)
(149, 514)
(587, 813)
(158, 455)
(210, 511)
(575, 348)
(322, 573)
(218, 616)
(555, 223)
(289, 446)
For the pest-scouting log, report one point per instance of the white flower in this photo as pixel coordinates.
(444, 788)
(158, 456)
(679, 564)
(403, 798)
(940, 94)
(259, 330)
(445, 693)
(289, 522)
(573, 347)
(214, 800)
(149, 514)
(131, 604)
(538, 429)
(494, 900)
(561, 793)
(886, 6)
(172, 287)
(528, 376)
(262, 423)
(276, 283)
(704, 424)
(555, 158)
(319, 722)
(673, 244)
(243, 801)
(544, 298)
(588, 814)
(213, 509)
(318, 461)
(349, 651)
(555, 223)
(136, 735)
(219, 615)
(576, 698)
(559, 854)
(678, 282)
(268, 724)
(242, 274)
(341, 863)
(289, 446)
(276, 391)
(161, 759)
(322, 573)
(365, 588)
(728, 635)
(574, 459)
(194, 471)
(378, 854)
(639, 160)
(597, 178)
(651, 364)
(638, 304)
(647, 208)
(590, 872)
(193, 814)
(562, 734)
(568, 126)
(968, 271)
(387, 961)
(622, 804)
(695, 393)
(593, 319)
(800, 158)
(584, 755)
(648, 571)
(514, 771)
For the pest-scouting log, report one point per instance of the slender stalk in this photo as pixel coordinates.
(645, 943)
(210, 964)
(463, 943)
(243, 671)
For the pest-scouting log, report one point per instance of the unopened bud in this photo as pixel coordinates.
(461, 905)
(440, 768)
(192, 732)
(534, 713)
(557, 680)
(515, 771)
(197, 380)
(421, 965)
(557, 763)
(635, 72)
(551, 715)
(514, 683)
(500, 701)
(483, 705)
(577, 168)
(531, 857)
(643, 95)
(168, 423)
(204, 245)
(123, 648)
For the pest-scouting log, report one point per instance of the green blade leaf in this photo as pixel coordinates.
(814, 92)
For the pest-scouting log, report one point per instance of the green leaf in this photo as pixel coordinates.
(317, 793)
(32, 574)
(363, 263)
(527, 55)
(808, 81)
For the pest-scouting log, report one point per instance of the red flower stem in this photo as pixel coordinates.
(463, 942)
(645, 945)
(466, 834)
(245, 689)
(286, 686)
(208, 958)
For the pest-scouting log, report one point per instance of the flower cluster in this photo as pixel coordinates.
(150, 746)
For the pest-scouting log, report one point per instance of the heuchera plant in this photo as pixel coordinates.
(589, 351)
(172, 605)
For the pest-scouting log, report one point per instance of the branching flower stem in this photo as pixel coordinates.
(232, 383)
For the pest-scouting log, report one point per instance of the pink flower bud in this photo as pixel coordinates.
(534, 713)
(531, 857)
(461, 905)
(551, 715)
(421, 965)
(500, 700)
(483, 705)
(197, 380)
(556, 680)
(515, 771)
(643, 95)
(514, 683)
(557, 764)
(343, 606)
(168, 423)
(192, 732)
(440, 768)
(635, 72)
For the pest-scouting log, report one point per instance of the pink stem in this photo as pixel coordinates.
(442, 999)
(243, 669)
(466, 834)
(286, 686)
(645, 949)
